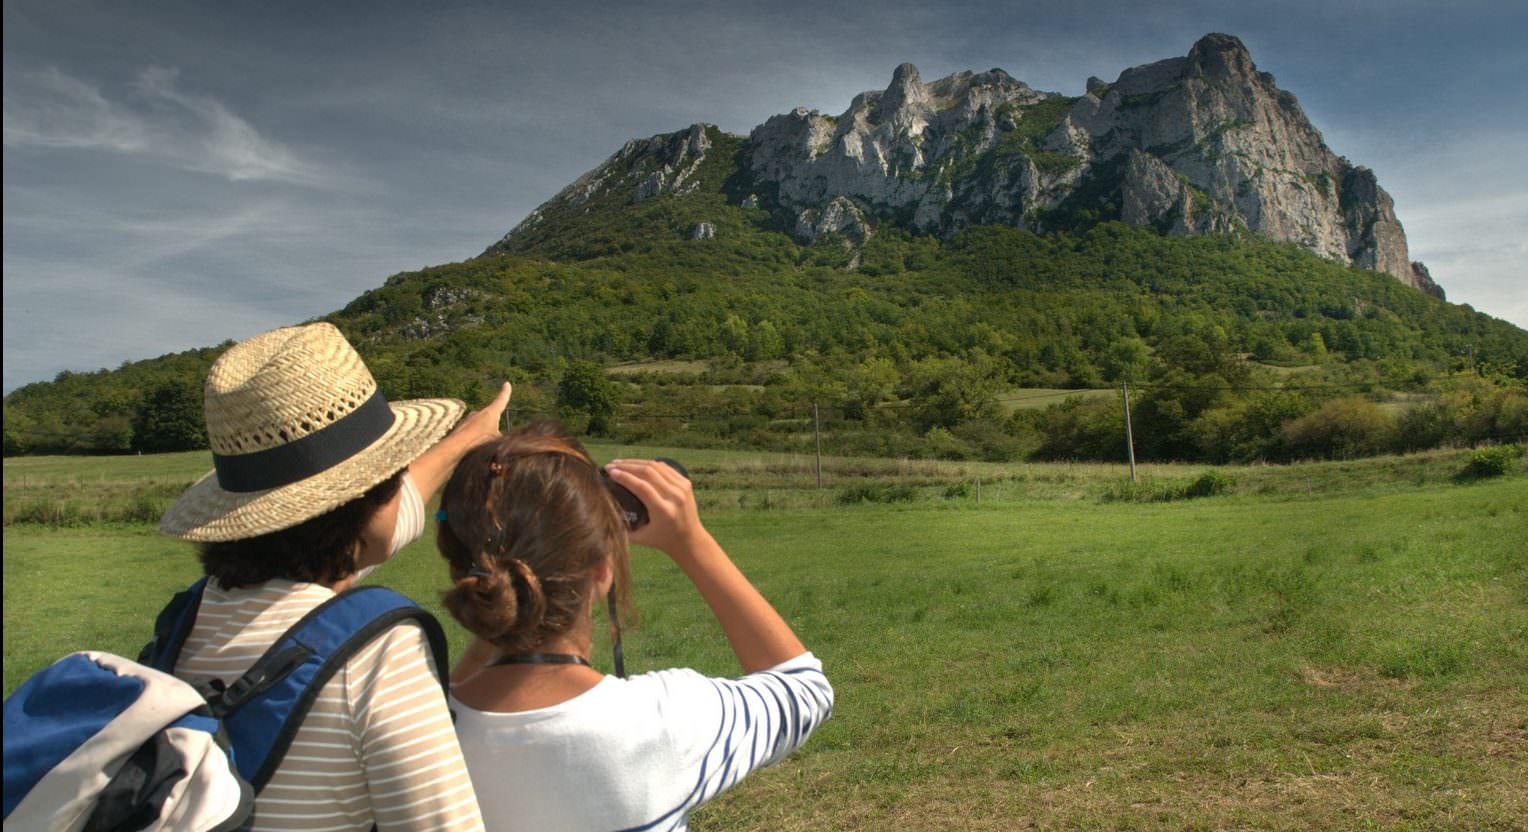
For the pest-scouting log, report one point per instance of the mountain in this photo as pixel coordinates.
(901, 271)
(1200, 144)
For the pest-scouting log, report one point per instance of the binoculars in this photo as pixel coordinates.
(631, 508)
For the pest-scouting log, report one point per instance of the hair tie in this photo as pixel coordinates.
(440, 516)
(496, 468)
(475, 572)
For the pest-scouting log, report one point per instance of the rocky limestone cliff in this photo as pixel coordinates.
(1243, 152)
(1200, 144)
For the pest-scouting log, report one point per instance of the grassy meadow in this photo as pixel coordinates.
(1331, 645)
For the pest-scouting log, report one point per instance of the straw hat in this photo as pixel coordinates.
(297, 427)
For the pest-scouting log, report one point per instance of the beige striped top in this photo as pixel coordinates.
(378, 745)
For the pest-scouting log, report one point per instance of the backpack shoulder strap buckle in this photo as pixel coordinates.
(269, 671)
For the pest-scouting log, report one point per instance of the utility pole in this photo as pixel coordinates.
(817, 438)
(1129, 438)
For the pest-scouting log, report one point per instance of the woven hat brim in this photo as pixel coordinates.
(208, 513)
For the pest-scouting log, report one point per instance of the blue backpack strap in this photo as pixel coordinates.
(171, 628)
(263, 709)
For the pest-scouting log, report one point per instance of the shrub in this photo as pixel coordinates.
(1078, 429)
(1490, 462)
(1341, 428)
(993, 442)
(145, 508)
(958, 490)
(876, 494)
(1208, 484)
(940, 443)
(1126, 491)
(53, 513)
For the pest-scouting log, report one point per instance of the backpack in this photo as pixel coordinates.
(98, 742)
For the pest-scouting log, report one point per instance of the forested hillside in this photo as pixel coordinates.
(1237, 348)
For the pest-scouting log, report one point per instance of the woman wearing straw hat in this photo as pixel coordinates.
(317, 480)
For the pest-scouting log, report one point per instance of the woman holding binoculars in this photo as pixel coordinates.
(534, 538)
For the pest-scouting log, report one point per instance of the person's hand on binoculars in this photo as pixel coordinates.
(673, 526)
(758, 635)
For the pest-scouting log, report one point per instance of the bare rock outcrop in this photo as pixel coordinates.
(1200, 144)
(1246, 145)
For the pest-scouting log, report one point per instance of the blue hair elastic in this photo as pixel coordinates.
(440, 516)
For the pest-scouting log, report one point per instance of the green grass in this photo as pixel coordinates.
(672, 367)
(1335, 646)
(1039, 398)
(79, 491)
(54, 470)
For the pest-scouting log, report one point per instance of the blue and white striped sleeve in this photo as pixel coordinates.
(722, 729)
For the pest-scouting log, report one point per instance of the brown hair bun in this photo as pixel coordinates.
(528, 521)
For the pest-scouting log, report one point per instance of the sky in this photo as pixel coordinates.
(181, 174)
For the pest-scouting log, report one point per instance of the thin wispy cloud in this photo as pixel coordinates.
(155, 119)
(54, 110)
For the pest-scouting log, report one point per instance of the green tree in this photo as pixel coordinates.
(734, 334)
(948, 391)
(1315, 346)
(1127, 359)
(764, 341)
(19, 427)
(584, 389)
(813, 379)
(170, 418)
(869, 384)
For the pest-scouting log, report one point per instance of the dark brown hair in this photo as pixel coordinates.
(527, 520)
(321, 550)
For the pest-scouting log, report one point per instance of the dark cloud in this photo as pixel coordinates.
(177, 174)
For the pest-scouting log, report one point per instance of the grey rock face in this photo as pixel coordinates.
(898, 151)
(1204, 143)
(1423, 280)
(703, 231)
(1245, 144)
(841, 216)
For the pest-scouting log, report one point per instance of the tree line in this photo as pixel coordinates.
(907, 342)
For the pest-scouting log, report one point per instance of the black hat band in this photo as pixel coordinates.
(312, 454)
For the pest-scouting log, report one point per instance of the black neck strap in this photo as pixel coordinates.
(312, 454)
(615, 635)
(540, 658)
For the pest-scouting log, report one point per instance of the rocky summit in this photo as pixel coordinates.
(1200, 144)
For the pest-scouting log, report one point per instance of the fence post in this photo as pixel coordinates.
(817, 438)
(1129, 438)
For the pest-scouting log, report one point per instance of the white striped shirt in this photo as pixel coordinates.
(638, 753)
(378, 745)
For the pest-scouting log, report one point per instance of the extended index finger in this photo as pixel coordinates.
(496, 409)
